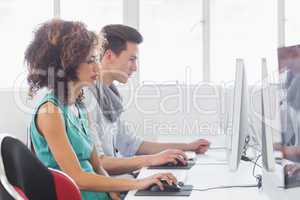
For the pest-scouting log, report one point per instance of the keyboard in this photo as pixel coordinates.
(292, 181)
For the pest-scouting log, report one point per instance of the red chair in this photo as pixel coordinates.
(65, 187)
(22, 170)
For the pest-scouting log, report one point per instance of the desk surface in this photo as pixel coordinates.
(204, 176)
(273, 182)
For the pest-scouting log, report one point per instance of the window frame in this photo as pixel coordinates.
(131, 17)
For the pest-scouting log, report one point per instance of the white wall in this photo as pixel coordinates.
(150, 110)
(173, 109)
(15, 113)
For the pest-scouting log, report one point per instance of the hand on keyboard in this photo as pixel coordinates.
(173, 156)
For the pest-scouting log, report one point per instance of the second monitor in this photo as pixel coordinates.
(239, 117)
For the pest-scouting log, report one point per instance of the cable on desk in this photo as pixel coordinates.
(247, 144)
(257, 176)
(247, 159)
(245, 147)
(223, 187)
(255, 164)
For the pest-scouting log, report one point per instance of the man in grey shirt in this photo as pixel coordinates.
(123, 151)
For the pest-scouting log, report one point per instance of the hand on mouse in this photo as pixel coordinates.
(168, 156)
(156, 179)
(115, 195)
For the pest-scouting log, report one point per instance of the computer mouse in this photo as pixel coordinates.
(167, 188)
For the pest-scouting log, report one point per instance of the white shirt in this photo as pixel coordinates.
(290, 125)
(110, 138)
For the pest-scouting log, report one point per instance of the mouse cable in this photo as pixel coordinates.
(222, 187)
(247, 159)
(256, 176)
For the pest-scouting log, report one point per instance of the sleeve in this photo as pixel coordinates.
(126, 142)
(92, 107)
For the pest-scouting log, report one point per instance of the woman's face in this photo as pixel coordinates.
(87, 72)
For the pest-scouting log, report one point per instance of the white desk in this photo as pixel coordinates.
(272, 185)
(203, 176)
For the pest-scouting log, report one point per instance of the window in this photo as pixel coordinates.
(172, 50)
(94, 13)
(292, 22)
(244, 29)
(18, 19)
(172, 47)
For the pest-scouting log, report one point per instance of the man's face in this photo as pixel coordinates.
(123, 65)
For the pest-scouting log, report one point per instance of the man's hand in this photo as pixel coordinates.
(169, 155)
(292, 169)
(199, 146)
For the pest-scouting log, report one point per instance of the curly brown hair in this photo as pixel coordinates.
(54, 55)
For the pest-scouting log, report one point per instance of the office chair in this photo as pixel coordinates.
(14, 192)
(20, 169)
(29, 143)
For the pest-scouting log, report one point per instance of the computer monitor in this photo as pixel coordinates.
(269, 124)
(239, 117)
(255, 112)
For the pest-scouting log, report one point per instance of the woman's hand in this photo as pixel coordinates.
(115, 195)
(156, 179)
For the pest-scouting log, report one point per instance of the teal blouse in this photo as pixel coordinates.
(79, 137)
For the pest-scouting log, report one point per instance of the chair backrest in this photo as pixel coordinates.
(25, 171)
(65, 187)
(28, 174)
(29, 141)
(7, 194)
(4, 194)
(21, 193)
(7, 191)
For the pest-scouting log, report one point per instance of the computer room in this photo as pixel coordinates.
(149, 99)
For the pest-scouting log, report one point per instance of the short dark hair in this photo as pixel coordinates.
(117, 35)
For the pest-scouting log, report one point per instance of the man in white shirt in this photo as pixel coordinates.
(123, 151)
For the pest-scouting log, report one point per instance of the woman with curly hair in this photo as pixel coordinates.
(63, 58)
